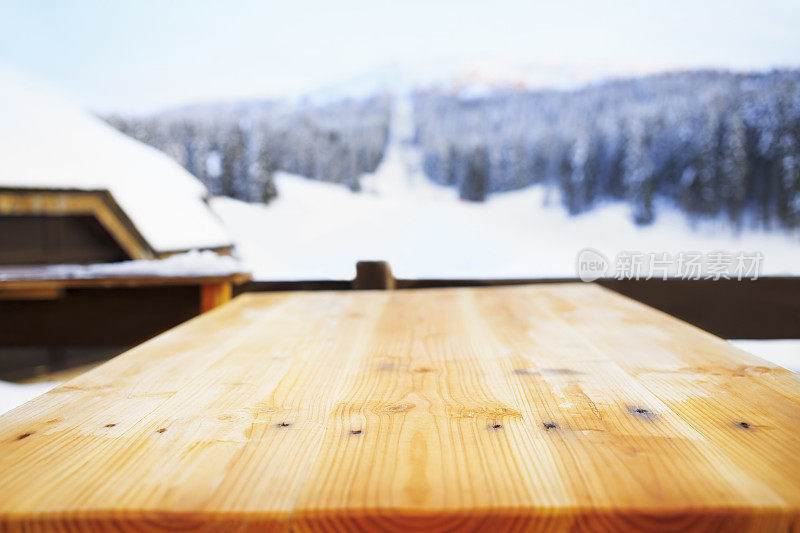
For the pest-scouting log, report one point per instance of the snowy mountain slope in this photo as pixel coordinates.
(47, 142)
(711, 142)
(315, 230)
(318, 231)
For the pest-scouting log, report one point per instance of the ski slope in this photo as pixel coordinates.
(316, 230)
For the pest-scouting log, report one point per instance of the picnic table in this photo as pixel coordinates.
(550, 407)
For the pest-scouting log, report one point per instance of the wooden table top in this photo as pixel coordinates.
(561, 407)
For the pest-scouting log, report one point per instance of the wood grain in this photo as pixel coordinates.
(546, 408)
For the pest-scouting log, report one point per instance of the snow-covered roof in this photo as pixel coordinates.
(47, 142)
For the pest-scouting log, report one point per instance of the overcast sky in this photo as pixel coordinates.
(145, 54)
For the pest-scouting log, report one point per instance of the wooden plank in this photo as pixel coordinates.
(766, 308)
(553, 407)
(43, 292)
(97, 317)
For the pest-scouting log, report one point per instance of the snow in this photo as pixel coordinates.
(190, 264)
(316, 230)
(783, 352)
(13, 394)
(46, 142)
(319, 231)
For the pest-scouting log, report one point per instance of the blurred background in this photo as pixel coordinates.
(456, 140)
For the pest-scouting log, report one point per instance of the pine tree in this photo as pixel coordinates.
(734, 167)
(697, 186)
(233, 180)
(790, 179)
(476, 181)
(638, 175)
(266, 165)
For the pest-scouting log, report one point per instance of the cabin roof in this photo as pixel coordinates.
(48, 143)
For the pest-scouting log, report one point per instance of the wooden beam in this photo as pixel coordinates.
(45, 292)
(97, 317)
(549, 407)
(213, 295)
(98, 203)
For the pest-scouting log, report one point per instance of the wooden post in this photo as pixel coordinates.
(373, 275)
(213, 295)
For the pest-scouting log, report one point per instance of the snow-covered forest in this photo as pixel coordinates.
(713, 143)
(236, 149)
